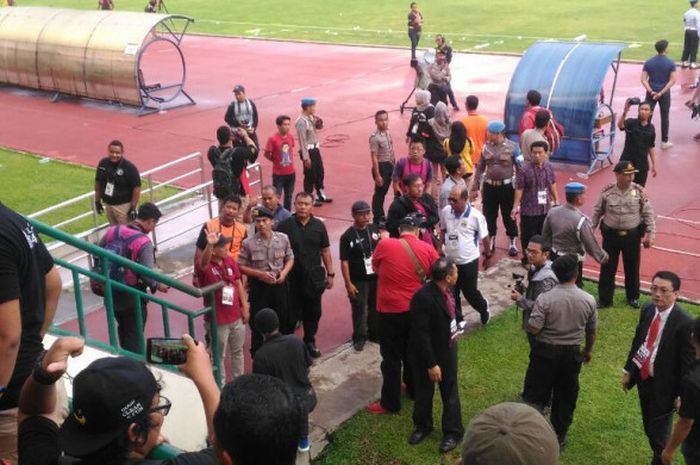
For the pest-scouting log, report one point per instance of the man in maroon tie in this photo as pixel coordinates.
(660, 355)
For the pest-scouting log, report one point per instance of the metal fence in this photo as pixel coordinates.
(167, 307)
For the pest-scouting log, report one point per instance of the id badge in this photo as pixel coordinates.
(542, 197)
(452, 242)
(109, 189)
(227, 295)
(368, 266)
(641, 356)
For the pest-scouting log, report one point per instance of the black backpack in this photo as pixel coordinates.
(222, 175)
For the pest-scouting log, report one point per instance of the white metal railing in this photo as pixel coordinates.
(201, 189)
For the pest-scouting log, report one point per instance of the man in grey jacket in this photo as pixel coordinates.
(540, 279)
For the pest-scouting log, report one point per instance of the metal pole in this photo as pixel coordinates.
(205, 189)
(150, 187)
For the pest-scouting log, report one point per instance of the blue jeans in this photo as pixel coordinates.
(415, 38)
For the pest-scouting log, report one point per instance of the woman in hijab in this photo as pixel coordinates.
(460, 144)
(423, 111)
(439, 127)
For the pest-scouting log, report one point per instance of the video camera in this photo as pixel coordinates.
(634, 101)
(518, 286)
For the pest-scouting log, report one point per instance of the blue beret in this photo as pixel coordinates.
(575, 188)
(308, 101)
(496, 127)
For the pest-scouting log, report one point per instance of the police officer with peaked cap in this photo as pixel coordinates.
(267, 258)
(569, 230)
(625, 215)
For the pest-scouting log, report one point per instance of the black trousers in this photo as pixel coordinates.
(665, 105)
(274, 296)
(385, 171)
(414, 36)
(449, 393)
(313, 177)
(127, 321)
(615, 244)
(495, 197)
(284, 183)
(393, 346)
(307, 401)
(691, 453)
(690, 46)
(579, 278)
(364, 311)
(530, 226)
(307, 307)
(553, 373)
(641, 177)
(467, 278)
(655, 418)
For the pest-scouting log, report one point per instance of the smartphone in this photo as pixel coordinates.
(166, 351)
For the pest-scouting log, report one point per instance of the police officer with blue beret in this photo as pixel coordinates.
(570, 231)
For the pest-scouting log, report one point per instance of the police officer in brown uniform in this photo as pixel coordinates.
(267, 258)
(569, 230)
(498, 165)
(626, 217)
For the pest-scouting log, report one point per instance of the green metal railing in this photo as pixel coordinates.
(106, 257)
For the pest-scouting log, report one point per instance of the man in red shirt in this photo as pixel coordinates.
(278, 150)
(402, 266)
(554, 130)
(232, 310)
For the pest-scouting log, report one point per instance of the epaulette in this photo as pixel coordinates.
(608, 187)
(643, 197)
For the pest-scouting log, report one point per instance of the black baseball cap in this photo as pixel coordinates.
(360, 207)
(263, 212)
(413, 219)
(108, 395)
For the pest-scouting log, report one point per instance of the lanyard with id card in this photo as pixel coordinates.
(542, 197)
(367, 260)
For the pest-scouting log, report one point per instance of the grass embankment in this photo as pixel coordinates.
(607, 426)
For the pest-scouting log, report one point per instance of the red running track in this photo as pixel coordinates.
(351, 83)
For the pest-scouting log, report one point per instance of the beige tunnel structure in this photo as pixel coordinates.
(87, 53)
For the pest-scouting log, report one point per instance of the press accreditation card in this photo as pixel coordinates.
(368, 266)
(542, 197)
(641, 356)
(227, 295)
(109, 189)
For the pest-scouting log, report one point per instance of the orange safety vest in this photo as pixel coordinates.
(237, 231)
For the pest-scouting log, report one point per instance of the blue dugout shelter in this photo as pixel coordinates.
(570, 77)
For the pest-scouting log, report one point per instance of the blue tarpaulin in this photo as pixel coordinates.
(569, 75)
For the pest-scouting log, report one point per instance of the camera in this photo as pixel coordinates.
(166, 351)
(518, 286)
(634, 101)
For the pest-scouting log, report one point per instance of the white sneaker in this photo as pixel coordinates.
(694, 66)
(666, 145)
(684, 64)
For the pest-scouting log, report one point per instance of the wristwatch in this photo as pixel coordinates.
(40, 375)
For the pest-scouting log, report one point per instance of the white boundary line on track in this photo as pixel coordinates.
(680, 220)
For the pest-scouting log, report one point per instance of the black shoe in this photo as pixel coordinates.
(634, 303)
(318, 203)
(604, 305)
(313, 350)
(563, 441)
(358, 346)
(448, 443)
(418, 435)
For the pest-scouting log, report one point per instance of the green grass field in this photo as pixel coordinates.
(497, 25)
(29, 183)
(607, 428)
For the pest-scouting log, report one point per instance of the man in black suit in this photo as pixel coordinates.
(660, 355)
(433, 350)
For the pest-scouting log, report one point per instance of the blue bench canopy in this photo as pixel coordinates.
(569, 75)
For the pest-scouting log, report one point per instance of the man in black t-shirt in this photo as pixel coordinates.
(308, 279)
(357, 244)
(30, 286)
(686, 431)
(640, 137)
(118, 184)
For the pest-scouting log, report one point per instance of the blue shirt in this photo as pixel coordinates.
(659, 69)
(281, 214)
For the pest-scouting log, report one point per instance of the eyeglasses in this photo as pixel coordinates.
(660, 290)
(163, 406)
